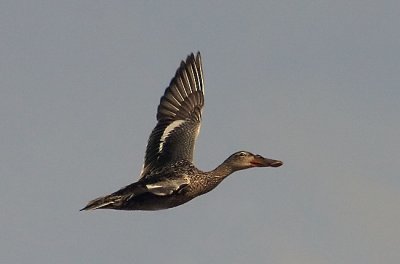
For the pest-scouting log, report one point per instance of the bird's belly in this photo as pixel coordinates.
(151, 202)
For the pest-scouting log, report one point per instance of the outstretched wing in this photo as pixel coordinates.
(178, 116)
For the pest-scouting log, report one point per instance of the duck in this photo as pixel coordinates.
(168, 177)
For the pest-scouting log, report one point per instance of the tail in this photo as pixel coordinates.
(105, 202)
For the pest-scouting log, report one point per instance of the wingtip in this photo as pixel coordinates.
(193, 56)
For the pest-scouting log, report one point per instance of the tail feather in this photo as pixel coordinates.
(102, 202)
(116, 199)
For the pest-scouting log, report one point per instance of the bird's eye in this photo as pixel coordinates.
(242, 154)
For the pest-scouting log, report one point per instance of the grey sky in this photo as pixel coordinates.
(313, 83)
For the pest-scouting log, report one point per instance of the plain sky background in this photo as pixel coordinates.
(313, 83)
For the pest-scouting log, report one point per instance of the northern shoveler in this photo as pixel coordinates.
(168, 176)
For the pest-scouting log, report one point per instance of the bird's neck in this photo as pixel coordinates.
(222, 171)
(215, 177)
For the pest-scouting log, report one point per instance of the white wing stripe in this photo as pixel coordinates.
(168, 131)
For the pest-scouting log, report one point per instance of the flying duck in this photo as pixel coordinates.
(168, 177)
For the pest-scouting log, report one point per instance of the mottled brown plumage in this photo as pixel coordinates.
(168, 177)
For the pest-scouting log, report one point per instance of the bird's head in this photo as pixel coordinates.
(244, 160)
